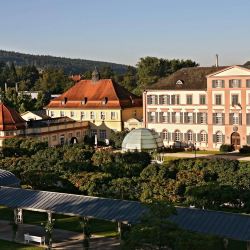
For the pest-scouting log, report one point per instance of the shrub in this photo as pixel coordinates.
(245, 149)
(226, 148)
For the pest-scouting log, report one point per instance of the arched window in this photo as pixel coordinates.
(203, 136)
(190, 135)
(177, 135)
(164, 134)
(218, 137)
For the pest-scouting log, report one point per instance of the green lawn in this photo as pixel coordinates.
(7, 245)
(203, 152)
(71, 223)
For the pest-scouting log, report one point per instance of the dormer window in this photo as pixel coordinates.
(65, 100)
(105, 100)
(85, 100)
(179, 82)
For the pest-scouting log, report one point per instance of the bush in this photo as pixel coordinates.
(226, 148)
(245, 149)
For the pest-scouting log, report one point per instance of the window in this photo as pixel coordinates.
(93, 132)
(203, 135)
(52, 113)
(235, 119)
(61, 113)
(72, 114)
(62, 139)
(165, 135)
(202, 99)
(175, 99)
(177, 135)
(203, 118)
(113, 115)
(235, 100)
(102, 116)
(84, 100)
(218, 83)
(163, 99)
(234, 83)
(92, 115)
(217, 99)
(151, 117)
(54, 138)
(190, 118)
(190, 135)
(218, 137)
(248, 83)
(164, 116)
(102, 134)
(218, 118)
(82, 115)
(78, 134)
(70, 135)
(177, 117)
(152, 99)
(189, 99)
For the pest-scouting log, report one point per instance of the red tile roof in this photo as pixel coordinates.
(91, 94)
(10, 119)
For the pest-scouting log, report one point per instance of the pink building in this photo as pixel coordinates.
(205, 106)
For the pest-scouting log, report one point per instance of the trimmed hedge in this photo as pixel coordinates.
(226, 148)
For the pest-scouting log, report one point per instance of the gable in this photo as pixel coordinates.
(232, 71)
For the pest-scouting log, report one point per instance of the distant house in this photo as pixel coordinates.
(34, 115)
(56, 131)
(102, 102)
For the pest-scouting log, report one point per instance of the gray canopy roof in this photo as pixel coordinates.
(8, 179)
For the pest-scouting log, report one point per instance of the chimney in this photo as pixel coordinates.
(216, 60)
(5, 86)
(16, 87)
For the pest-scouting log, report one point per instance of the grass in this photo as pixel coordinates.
(7, 245)
(70, 223)
(203, 152)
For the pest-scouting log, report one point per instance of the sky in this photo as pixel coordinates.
(123, 31)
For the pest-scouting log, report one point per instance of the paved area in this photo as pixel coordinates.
(62, 239)
(230, 156)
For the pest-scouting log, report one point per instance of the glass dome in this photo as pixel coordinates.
(8, 179)
(142, 139)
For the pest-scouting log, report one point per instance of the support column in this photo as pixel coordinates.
(49, 217)
(248, 245)
(18, 216)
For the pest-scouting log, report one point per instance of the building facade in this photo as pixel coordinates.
(56, 131)
(102, 102)
(202, 107)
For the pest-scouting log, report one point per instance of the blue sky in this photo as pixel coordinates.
(122, 31)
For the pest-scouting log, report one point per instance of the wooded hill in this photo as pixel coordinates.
(70, 66)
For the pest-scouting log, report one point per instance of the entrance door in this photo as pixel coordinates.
(235, 140)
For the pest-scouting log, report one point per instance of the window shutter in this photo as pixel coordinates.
(181, 137)
(181, 117)
(248, 119)
(168, 117)
(149, 117)
(156, 117)
(214, 137)
(148, 99)
(185, 117)
(214, 118)
(173, 136)
(198, 136)
(213, 84)
(240, 119)
(199, 118)
(168, 99)
(248, 139)
(223, 84)
(185, 137)
(223, 119)
(161, 117)
(156, 99)
(231, 118)
(160, 99)
(194, 137)
(223, 138)
(194, 118)
(173, 117)
(230, 84)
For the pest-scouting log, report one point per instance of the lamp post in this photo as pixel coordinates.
(195, 150)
